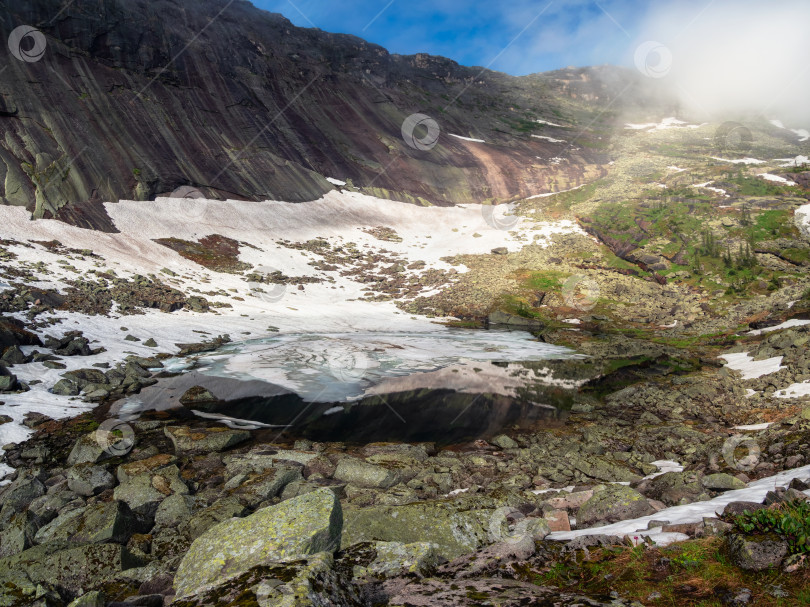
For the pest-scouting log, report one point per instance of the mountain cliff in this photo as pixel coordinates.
(133, 99)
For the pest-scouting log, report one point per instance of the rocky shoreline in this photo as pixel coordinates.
(105, 515)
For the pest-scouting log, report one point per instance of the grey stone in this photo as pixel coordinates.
(87, 480)
(612, 504)
(361, 474)
(756, 554)
(291, 530)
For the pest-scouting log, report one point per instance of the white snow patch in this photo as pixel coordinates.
(572, 321)
(666, 123)
(334, 181)
(538, 121)
(547, 194)
(803, 134)
(794, 391)
(467, 138)
(793, 162)
(676, 169)
(793, 322)
(750, 368)
(749, 392)
(706, 186)
(802, 219)
(664, 466)
(689, 513)
(776, 178)
(332, 410)
(753, 427)
(551, 139)
(739, 160)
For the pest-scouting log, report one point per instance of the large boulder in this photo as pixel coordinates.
(89, 480)
(392, 559)
(265, 486)
(301, 583)
(455, 531)
(204, 440)
(87, 450)
(722, 482)
(97, 523)
(672, 488)
(361, 474)
(68, 569)
(289, 531)
(612, 504)
(18, 534)
(144, 492)
(756, 553)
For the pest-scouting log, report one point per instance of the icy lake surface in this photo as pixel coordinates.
(337, 367)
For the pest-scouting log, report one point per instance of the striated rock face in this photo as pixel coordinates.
(218, 98)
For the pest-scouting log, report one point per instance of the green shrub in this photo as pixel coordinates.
(790, 520)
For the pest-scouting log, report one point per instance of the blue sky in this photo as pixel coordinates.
(517, 37)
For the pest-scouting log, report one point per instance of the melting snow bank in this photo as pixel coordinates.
(803, 134)
(666, 123)
(739, 160)
(777, 178)
(802, 219)
(547, 194)
(793, 322)
(550, 139)
(690, 513)
(467, 138)
(750, 368)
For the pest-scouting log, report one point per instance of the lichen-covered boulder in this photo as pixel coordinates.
(722, 482)
(288, 531)
(361, 474)
(756, 553)
(612, 504)
(454, 530)
(144, 492)
(395, 558)
(301, 583)
(87, 480)
(94, 524)
(87, 450)
(204, 440)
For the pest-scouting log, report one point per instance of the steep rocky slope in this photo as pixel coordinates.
(218, 95)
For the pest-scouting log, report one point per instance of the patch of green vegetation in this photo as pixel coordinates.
(695, 573)
(546, 280)
(756, 186)
(772, 224)
(790, 520)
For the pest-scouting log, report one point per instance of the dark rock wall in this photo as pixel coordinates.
(134, 98)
